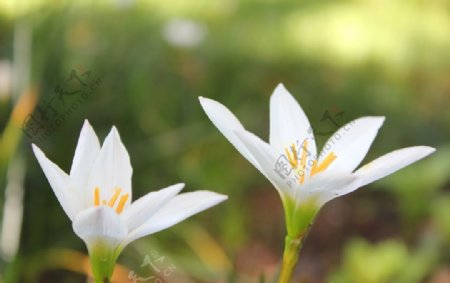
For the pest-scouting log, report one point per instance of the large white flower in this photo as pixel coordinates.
(97, 198)
(304, 179)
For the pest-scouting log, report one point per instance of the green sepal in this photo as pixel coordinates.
(299, 217)
(103, 258)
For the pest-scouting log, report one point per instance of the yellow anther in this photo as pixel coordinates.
(305, 151)
(303, 161)
(114, 197)
(292, 159)
(314, 168)
(294, 155)
(121, 204)
(300, 164)
(112, 200)
(96, 196)
(326, 162)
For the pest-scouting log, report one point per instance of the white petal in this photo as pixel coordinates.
(176, 210)
(268, 161)
(86, 152)
(112, 169)
(391, 162)
(227, 123)
(288, 123)
(142, 209)
(60, 183)
(100, 223)
(351, 143)
(324, 187)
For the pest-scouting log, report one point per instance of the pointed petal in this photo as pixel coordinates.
(176, 210)
(100, 224)
(351, 143)
(311, 197)
(227, 123)
(268, 161)
(324, 187)
(86, 152)
(112, 169)
(391, 162)
(60, 183)
(143, 209)
(288, 123)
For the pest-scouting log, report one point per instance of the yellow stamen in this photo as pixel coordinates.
(292, 159)
(303, 162)
(96, 196)
(314, 168)
(121, 204)
(294, 155)
(326, 162)
(114, 197)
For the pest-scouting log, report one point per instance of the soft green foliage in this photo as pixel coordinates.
(384, 262)
(419, 185)
(372, 264)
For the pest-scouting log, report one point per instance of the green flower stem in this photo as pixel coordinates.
(290, 257)
(103, 260)
(105, 280)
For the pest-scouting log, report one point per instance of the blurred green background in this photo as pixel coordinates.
(142, 65)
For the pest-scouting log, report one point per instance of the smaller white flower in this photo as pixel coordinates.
(304, 179)
(96, 196)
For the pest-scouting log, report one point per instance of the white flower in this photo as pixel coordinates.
(305, 180)
(97, 198)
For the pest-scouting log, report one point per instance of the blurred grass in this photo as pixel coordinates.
(363, 57)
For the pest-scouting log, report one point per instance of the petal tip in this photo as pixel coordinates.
(179, 186)
(206, 103)
(282, 97)
(37, 151)
(87, 128)
(427, 150)
(377, 119)
(86, 123)
(114, 133)
(370, 121)
(382, 118)
(280, 89)
(218, 198)
(280, 86)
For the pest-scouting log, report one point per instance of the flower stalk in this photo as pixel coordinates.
(103, 260)
(292, 248)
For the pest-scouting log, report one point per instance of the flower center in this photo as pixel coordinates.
(298, 162)
(112, 201)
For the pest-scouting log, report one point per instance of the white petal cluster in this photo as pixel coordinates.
(290, 160)
(97, 196)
